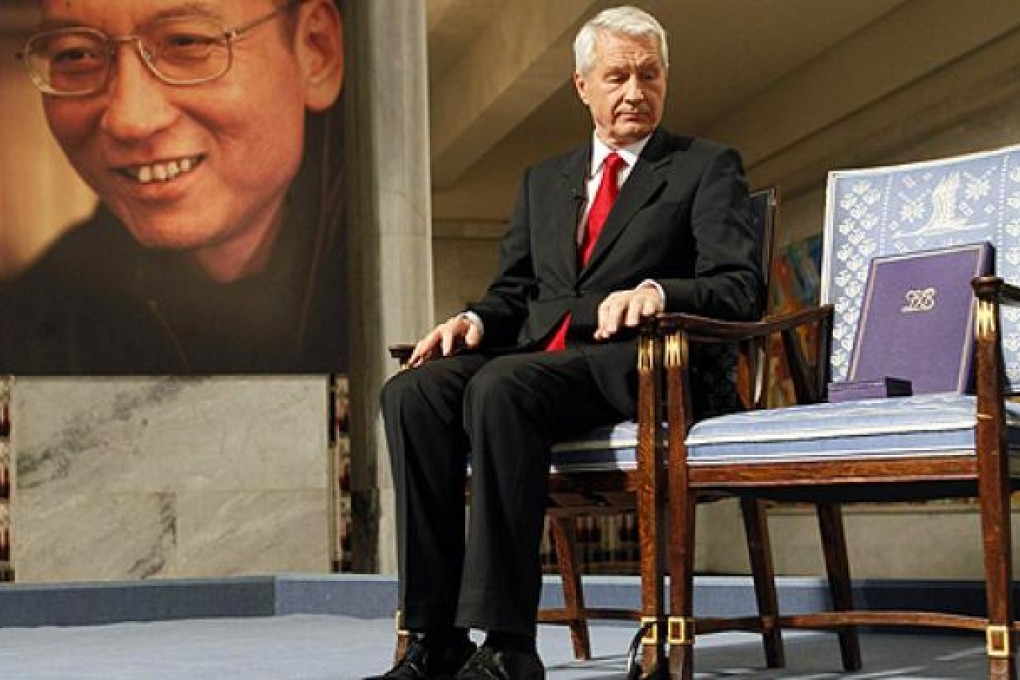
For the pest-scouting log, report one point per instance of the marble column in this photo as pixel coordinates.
(386, 137)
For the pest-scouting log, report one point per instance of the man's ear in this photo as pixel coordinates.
(581, 85)
(318, 43)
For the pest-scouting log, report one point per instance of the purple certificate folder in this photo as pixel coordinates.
(917, 318)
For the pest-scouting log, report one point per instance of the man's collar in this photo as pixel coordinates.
(629, 153)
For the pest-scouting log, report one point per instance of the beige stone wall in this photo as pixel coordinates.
(465, 259)
(938, 541)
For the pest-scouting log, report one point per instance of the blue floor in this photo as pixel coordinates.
(314, 627)
(319, 647)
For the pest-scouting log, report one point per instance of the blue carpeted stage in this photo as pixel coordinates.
(340, 626)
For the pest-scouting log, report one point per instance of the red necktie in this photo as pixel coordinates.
(600, 207)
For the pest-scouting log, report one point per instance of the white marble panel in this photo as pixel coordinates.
(88, 536)
(130, 478)
(161, 434)
(256, 532)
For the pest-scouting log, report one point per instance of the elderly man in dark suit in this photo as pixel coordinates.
(633, 223)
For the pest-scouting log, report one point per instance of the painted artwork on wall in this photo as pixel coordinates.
(212, 144)
(796, 284)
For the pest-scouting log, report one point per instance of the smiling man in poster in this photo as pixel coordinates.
(209, 250)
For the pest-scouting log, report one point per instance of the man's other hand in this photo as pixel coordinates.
(457, 332)
(627, 308)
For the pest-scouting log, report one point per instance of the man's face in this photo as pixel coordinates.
(625, 89)
(201, 168)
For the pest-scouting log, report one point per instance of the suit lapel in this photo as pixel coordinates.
(570, 202)
(644, 181)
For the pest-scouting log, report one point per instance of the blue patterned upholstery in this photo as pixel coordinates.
(928, 424)
(605, 448)
(923, 425)
(919, 206)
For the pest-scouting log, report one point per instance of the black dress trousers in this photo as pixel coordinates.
(500, 414)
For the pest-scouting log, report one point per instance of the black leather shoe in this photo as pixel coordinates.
(428, 662)
(504, 664)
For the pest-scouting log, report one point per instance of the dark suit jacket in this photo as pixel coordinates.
(680, 218)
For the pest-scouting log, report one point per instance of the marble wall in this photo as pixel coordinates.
(138, 478)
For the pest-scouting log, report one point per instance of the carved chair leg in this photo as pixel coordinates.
(763, 573)
(403, 637)
(564, 531)
(681, 621)
(837, 566)
(994, 500)
(1001, 667)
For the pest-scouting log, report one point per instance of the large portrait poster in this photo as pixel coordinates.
(172, 187)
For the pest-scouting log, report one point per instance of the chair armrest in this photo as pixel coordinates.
(808, 372)
(705, 329)
(991, 288)
(401, 352)
(990, 384)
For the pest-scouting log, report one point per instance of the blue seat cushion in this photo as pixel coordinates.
(613, 447)
(922, 425)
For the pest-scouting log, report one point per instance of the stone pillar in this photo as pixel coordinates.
(386, 138)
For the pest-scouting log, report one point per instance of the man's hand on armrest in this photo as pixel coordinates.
(628, 307)
(457, 332)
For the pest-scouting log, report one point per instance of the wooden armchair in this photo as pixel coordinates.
(946, 444)
(622, 468)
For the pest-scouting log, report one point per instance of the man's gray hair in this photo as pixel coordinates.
(625, 20)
